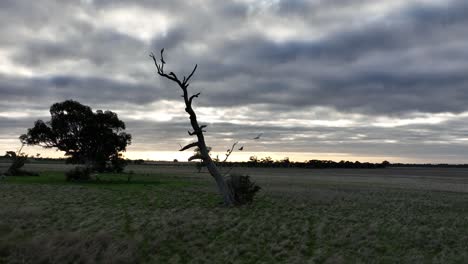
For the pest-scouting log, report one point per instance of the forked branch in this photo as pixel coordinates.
(193, 96)
(171, 76)
(191, 74)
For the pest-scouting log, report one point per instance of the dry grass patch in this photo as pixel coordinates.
(164, 219)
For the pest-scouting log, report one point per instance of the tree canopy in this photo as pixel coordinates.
(92, 138)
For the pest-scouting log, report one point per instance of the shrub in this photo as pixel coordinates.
(242, 188)
(117, 164)
(17, 162)
(78, 174)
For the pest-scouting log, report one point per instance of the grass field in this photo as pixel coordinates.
(170, 214)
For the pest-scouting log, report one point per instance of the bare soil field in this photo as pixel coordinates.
(171, 214)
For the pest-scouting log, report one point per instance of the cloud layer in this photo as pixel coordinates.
(366, 78)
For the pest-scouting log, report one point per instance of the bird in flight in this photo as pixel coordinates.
(258, 137)
(241, 148)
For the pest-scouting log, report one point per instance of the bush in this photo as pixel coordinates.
(242, 188)
(17, 162)
(78, 174)
(117, 165)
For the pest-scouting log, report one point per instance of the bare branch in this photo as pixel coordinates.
(155, 62)
(173, 75)
(229, 151)
(160, 70)
(191, 133)
(191, 74)
(19, 150)
(195, 157)
(162, 57)
(191, 145)
(193, 96)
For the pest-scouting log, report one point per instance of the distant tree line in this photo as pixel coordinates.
(268, 162)
(429, 165)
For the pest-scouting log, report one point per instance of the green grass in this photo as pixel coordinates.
(163, 218)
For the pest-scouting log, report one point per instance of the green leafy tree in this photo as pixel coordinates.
(92, 138)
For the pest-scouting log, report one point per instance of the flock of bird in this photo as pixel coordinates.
(255, 138)
(242, 147)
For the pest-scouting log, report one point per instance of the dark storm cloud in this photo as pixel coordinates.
(7, 123)
(332, 71)
(329, 71)
(91, 90)
(99, 48)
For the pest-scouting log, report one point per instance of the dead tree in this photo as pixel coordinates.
(223, 188)
(18, 160)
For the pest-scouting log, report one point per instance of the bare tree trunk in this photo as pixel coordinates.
(197, 130)
(222, 186)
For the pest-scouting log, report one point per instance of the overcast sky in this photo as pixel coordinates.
(322, 79)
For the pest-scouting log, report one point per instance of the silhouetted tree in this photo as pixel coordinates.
(285, 162)
(253, 161)
(18, 159)
(385, 163)
(95, 139)
(226, 192)
(17, 162)
(267, 160)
